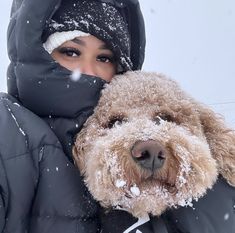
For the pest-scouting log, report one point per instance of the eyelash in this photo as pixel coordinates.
(69, 51)
(106, 58)
(72, 52)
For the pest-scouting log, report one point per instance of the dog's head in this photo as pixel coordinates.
(149, 146)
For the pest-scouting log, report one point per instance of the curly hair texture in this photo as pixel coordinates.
(150, 146)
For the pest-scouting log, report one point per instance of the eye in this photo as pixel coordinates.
(106, 58)
(163, 117)
(69, 52)
(114, 121)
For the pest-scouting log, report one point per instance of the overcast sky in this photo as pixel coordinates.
(192, 41)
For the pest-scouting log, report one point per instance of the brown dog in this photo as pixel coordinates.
(150, 146)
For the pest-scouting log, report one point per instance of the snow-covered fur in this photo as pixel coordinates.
(149, 107)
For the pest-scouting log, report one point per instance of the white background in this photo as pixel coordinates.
(192, 41)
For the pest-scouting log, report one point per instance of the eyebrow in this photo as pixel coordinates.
(80, 42)
(83, 43)
(105, 47)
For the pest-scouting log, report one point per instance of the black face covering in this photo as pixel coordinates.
(60, 96)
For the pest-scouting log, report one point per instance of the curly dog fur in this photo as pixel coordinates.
(141, 106)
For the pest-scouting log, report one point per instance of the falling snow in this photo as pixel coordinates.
(226, 216)
(76, 75)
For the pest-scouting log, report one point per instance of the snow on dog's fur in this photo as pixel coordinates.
(150, 111)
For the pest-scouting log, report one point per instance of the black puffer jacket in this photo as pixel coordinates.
(40, 189)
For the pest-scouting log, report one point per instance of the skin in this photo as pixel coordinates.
(88, 54)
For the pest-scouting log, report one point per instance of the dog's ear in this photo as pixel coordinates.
(221, 140)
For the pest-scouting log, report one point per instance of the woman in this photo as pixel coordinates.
(41, 191)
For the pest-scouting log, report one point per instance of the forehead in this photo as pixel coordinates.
(88, 42)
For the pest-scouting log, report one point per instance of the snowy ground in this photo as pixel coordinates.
(193, 41)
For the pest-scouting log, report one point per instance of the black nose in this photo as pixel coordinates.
(149, 154)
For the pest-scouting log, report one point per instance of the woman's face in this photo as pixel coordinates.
(88, 54)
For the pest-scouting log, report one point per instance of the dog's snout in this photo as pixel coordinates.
(149, 154)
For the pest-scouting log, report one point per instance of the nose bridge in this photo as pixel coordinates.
(87, 66)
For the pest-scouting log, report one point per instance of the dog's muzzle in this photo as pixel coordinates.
(149, 154)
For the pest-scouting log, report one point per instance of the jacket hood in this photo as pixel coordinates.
(45, 87)
(34, 77)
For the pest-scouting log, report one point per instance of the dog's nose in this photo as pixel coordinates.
(149, 154)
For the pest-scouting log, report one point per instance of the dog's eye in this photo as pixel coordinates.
(163, 117)
(115, 120)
